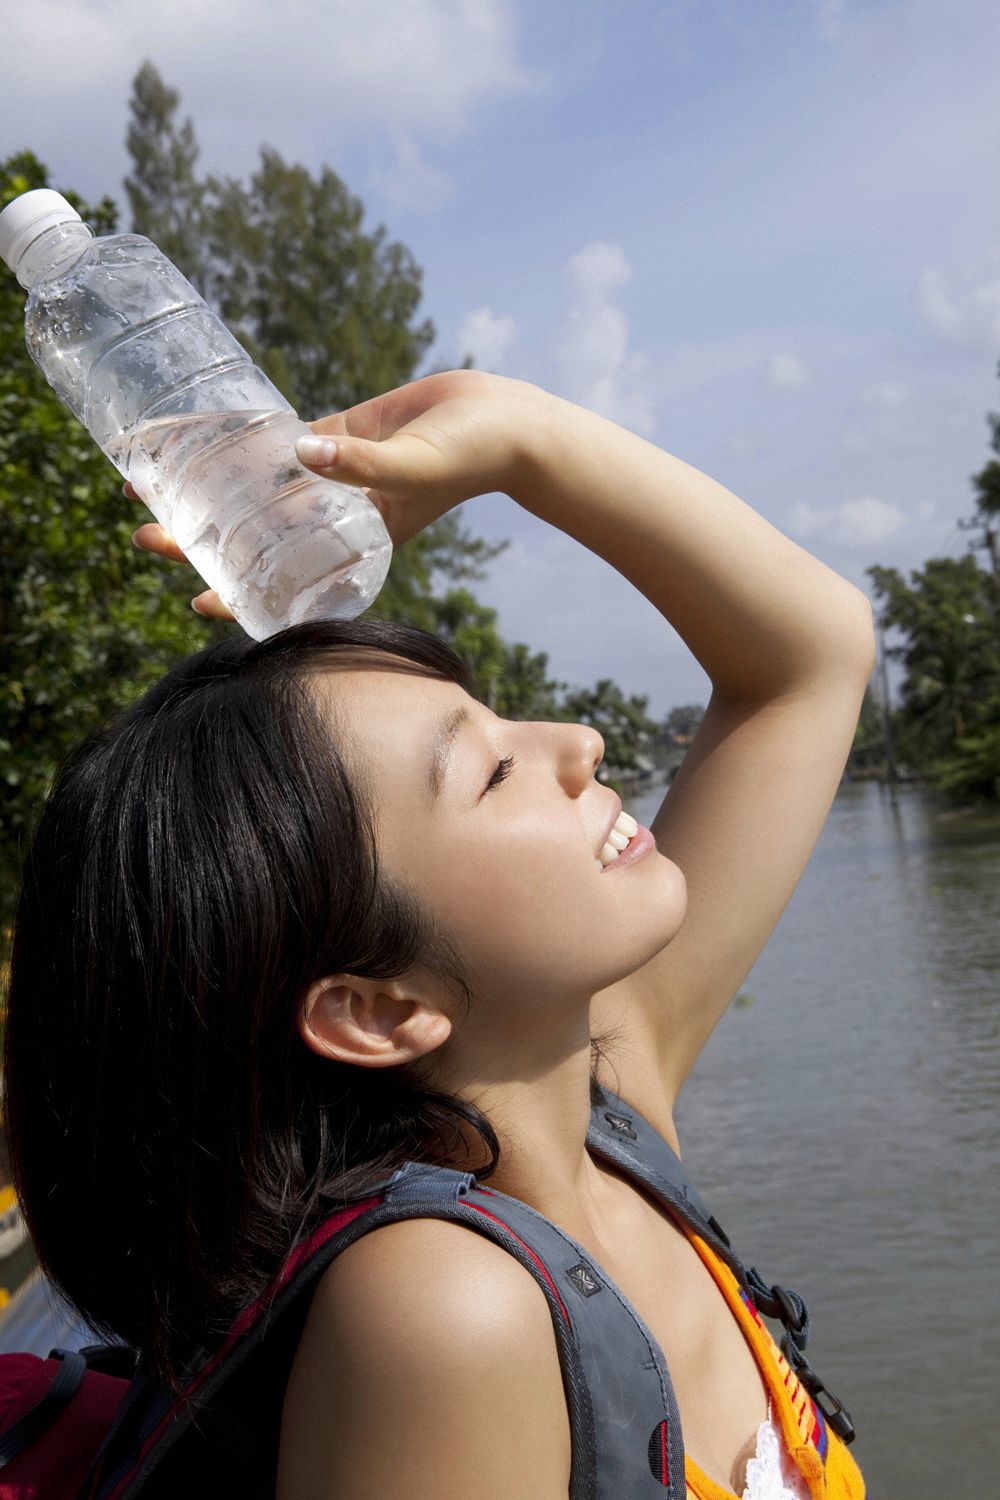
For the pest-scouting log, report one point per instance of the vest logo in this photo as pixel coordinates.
(583, 1279)
(621, 1125)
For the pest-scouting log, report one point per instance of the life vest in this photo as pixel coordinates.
(624, 1422)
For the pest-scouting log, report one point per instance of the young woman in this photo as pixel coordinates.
(310, 909)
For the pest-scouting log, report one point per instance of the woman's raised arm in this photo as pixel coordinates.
(789, 647)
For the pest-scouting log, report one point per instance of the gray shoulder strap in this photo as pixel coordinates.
(624, 1422)
(622, 1136)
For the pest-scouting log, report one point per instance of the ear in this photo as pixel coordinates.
(373, 1023)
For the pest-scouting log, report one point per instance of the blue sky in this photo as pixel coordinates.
(764, 236)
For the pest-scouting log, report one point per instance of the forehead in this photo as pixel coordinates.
(387, 705)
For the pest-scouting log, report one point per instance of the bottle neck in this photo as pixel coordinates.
(58, 246)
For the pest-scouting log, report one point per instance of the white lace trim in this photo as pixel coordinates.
(771, 1473)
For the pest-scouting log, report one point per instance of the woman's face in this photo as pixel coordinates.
(508, 867)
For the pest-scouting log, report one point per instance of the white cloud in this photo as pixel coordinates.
(968, 316)
(869, 519)
(830, 18)
(747, 352)
(486, 337)
(898, 414)
(597, 269)
(886, 395)
(325, 71)
(786, 373)
(410, 182)
(597, 369)
(807, 520)
(852, 523)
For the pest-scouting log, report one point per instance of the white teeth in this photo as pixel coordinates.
(625, 828)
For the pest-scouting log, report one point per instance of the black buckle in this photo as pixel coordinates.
(837, 1416)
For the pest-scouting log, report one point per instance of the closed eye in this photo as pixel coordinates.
(502, 771)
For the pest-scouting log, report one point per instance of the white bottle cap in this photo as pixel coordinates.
(25, 217)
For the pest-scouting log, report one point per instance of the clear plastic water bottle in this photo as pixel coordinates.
(182, 411)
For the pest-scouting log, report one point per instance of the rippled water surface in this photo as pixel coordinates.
(843, 1123)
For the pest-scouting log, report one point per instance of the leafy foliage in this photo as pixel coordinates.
(684, 720)
(323, 306)
(86, 620)
(627, 730)
(947, 726)
(164, 195)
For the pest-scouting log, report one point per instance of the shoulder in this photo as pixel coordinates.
(426, 1352)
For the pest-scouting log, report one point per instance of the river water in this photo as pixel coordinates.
(843, 1125)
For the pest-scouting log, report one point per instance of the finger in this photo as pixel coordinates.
(397, 464)
(153, 538)
(211, 605)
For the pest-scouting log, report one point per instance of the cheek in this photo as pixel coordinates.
(529, 910)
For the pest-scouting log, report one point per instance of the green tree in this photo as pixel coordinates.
(973, 770)
(626, 728)
(683, 721)
(869, 748)
(986, 519)
(524, 690)
(951, 653)
(443, 551)
(86, 620)
(325, 307)
(163, 192)
(947, 726)
(512, 678)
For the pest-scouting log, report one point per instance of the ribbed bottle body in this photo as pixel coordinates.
(179, 407)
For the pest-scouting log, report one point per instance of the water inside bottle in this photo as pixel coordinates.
(164, 458)
(277, 542)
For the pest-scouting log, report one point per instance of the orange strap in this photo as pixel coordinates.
(819, 1454)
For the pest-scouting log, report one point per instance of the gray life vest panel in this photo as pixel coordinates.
(624, 1421)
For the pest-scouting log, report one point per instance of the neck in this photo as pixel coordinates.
(537, 1097)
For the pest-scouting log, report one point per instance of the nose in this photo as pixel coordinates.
(580, 752)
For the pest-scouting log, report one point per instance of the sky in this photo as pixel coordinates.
(761, 234)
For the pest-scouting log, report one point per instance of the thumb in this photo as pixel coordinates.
(394, 465)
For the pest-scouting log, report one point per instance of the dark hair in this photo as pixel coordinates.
(201, 859)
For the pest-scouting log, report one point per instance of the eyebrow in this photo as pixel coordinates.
(444, 741)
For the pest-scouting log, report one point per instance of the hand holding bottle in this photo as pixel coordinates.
(416, 451)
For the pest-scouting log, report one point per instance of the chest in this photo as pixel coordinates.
(721, 1395)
